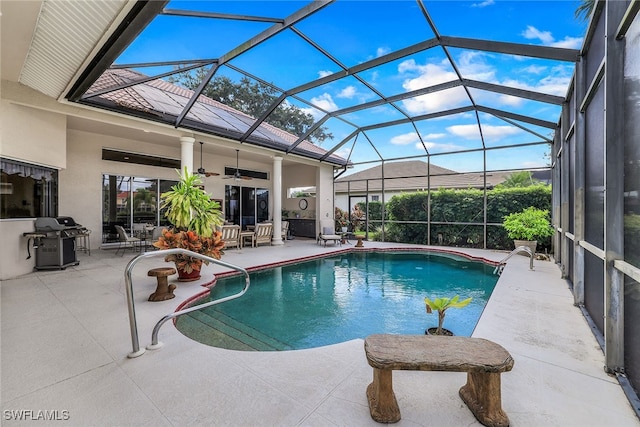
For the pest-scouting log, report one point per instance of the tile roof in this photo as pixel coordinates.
(160, 97)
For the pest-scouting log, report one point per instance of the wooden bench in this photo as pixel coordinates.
(483, 361)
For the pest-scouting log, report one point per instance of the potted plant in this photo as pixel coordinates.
(194, 216)
(342, 219)
(527, 226)
(441, 305)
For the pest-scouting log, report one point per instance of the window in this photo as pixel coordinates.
(131, 200)
(375, 198)
(27, 191)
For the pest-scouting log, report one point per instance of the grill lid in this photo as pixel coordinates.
(48, 224)
(55, 224)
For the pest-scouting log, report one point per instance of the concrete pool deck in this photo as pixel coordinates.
(65, 339)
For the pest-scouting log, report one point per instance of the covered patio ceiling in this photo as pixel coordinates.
(433, 91)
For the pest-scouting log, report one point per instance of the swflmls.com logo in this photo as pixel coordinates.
(35, 415)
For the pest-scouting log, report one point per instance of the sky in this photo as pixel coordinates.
(354, 32)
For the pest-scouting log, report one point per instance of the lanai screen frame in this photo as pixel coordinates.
(144, 14)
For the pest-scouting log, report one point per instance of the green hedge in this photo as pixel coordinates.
(449, 206)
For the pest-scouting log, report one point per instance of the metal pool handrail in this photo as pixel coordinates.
(130, 304)
(502, 263)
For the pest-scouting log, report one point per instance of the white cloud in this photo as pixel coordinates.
(435, 147)
(513, 101)
(465, 131)
(429, 75)
(473, 66)
(533, 33)
(324, 73)
(434, 135)
(484, 3)
(405, 139)
(555, 83)
(381, 51)
(488, 131)
(348, 92)
(534, 69)
(569, 43)
(324, 101)
(547, 38)
(411, 138)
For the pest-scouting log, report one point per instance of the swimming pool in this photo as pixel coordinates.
(340, 298)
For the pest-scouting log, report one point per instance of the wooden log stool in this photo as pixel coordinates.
(359, 244)
(482, 360)
(164, 290)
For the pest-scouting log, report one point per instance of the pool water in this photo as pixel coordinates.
(340, 298)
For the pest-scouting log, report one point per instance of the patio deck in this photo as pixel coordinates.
(65, 340)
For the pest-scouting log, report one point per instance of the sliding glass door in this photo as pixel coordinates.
(128, 200)
(246, 205)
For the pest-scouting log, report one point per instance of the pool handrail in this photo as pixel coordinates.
(131, 306)
(503, 262)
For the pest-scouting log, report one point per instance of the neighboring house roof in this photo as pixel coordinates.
(411, 176)
(160, 98)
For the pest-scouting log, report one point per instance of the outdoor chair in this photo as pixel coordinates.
(125, 240)
(328, 234)
(231, 236)
(285, 230)
(263, 233)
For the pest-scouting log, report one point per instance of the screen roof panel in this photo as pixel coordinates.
(455, 76)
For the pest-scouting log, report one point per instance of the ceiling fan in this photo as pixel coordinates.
(201, 170)
(236, 176)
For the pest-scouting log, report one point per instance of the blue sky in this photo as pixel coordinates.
(354, 32)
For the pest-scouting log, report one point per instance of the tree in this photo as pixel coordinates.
(253, 99)
(583, 12)
(519, 179)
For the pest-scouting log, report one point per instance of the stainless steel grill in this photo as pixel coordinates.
(54, 240)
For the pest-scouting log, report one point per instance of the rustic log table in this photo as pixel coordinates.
(483, 361)
(164, 290)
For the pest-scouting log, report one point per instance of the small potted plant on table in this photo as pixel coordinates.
(441, 305)
(194, 216)
(527, 226)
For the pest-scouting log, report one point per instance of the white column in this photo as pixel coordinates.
(186, 153)
(277, 201)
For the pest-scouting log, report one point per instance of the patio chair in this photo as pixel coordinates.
(231, 236)
(328, 234)
(263, 233)
(125, 240)
(285, 229)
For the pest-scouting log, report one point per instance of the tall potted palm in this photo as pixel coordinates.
(194, 217)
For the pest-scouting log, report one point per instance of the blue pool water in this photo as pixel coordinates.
(340, 298)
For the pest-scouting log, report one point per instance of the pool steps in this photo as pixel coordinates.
(223, 327)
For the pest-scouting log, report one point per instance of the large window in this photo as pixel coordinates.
(131, 200)
(27, 191)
